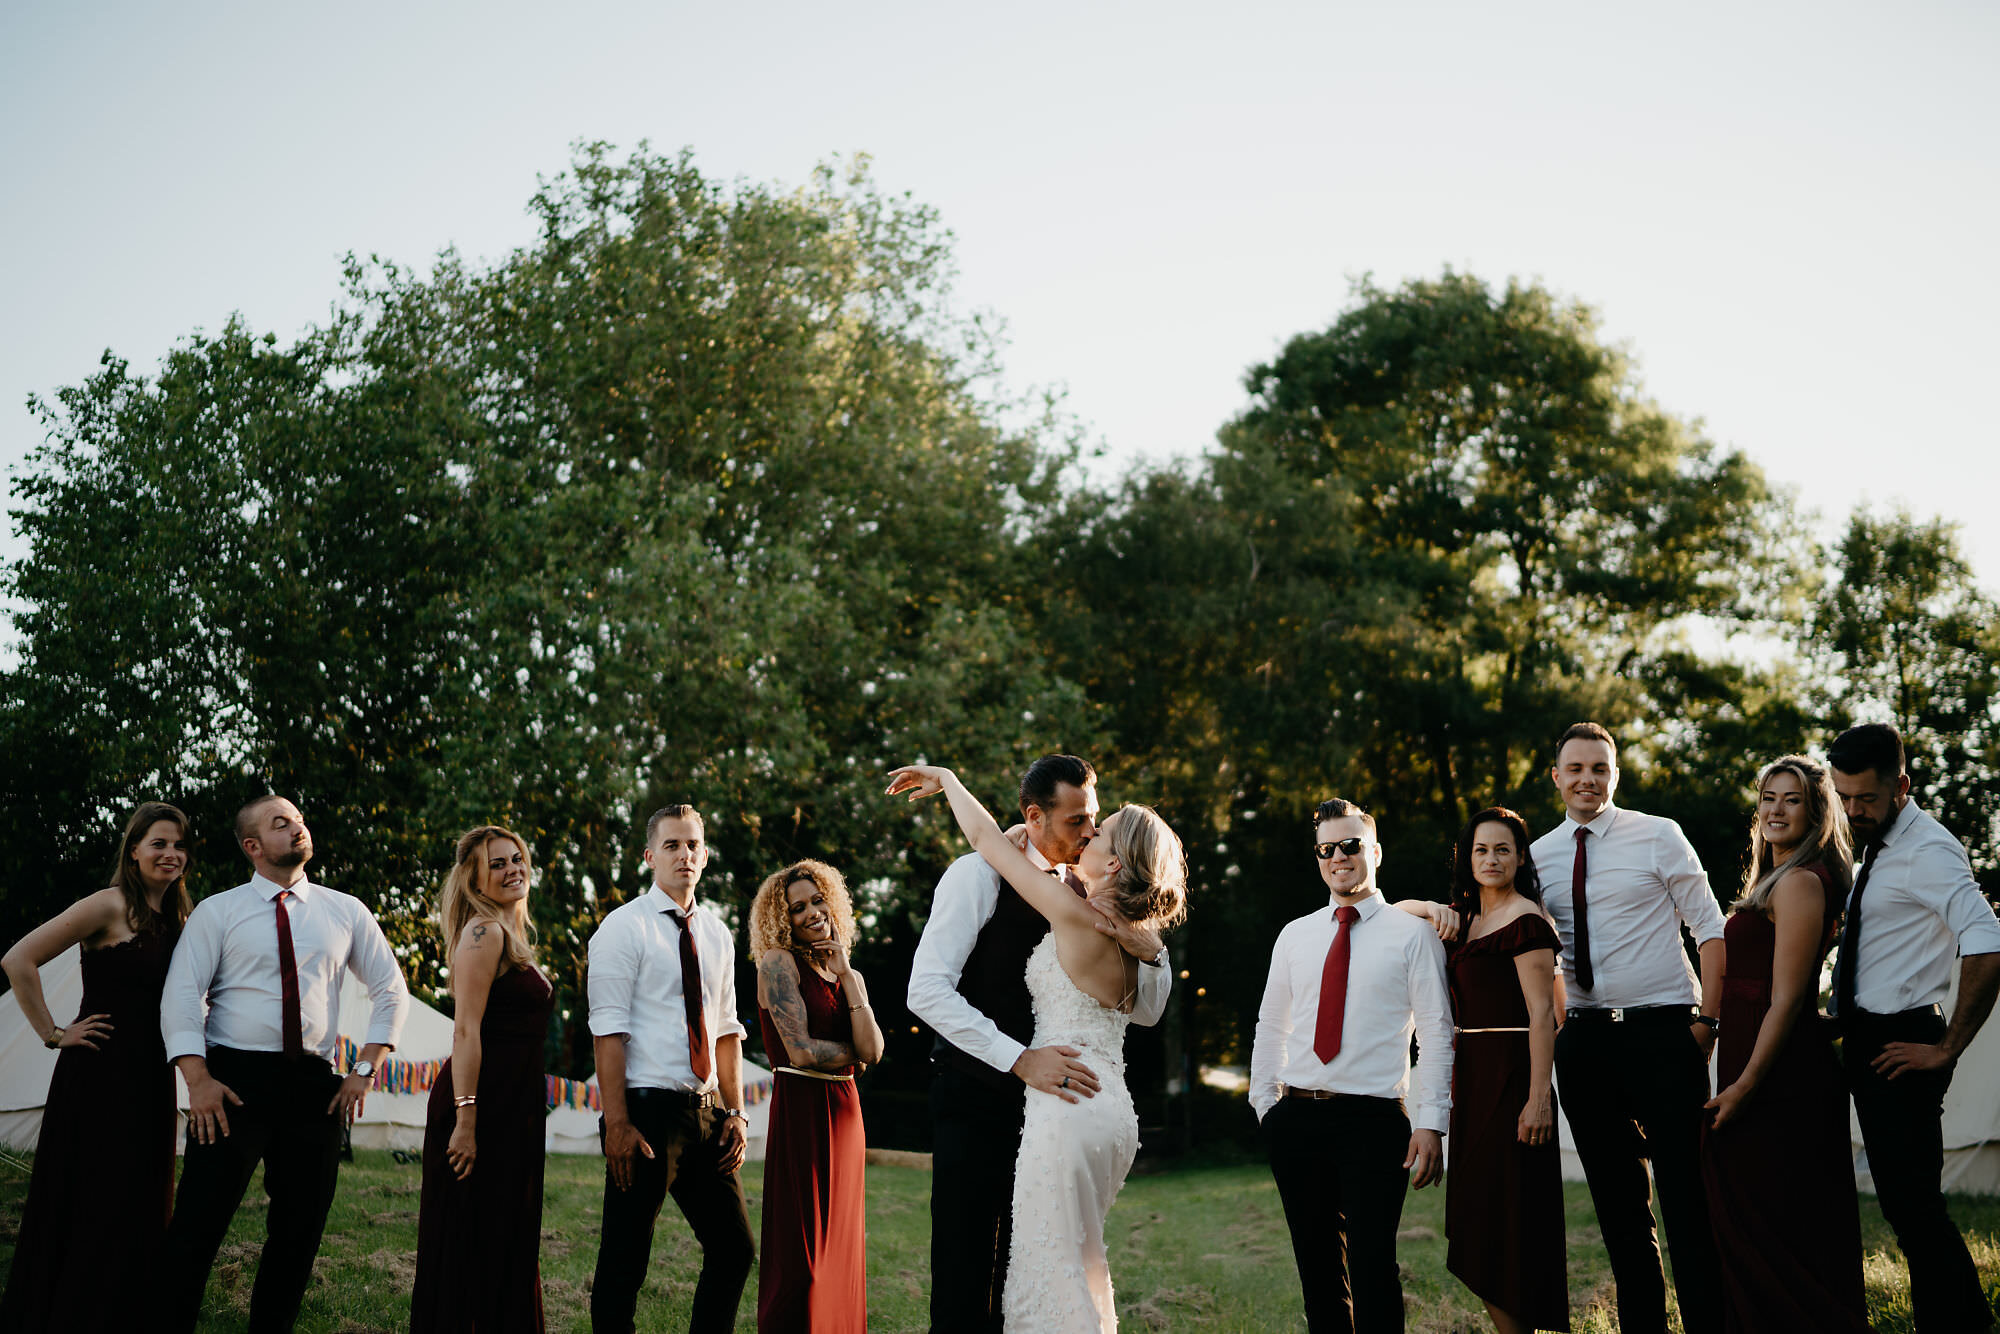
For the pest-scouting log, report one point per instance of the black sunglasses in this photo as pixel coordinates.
(1351, 846)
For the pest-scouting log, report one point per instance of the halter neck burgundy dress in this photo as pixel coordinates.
(104, 1169)
(812, 1263)
(1780, 1174)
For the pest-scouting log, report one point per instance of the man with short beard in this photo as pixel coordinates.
(969, 983)
(1913, 907)
(267, 960)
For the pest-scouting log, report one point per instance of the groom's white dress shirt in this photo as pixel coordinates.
(1395, 987)
(1921, 911)
(635, 988)
(228, 957)
(960, 909)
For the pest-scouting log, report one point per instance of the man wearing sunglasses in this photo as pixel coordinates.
(1349, 984)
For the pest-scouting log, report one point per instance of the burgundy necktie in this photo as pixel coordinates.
(1333, 987)
(288, 980)
(1581, 904)
(697, 1021)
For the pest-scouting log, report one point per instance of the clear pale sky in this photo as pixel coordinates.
(1788, 213)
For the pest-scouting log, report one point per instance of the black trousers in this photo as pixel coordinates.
(1338, 1163)
(1902, 1127)
(283, 1123)
(687, 1164)
(1634, 1091)
(975, 1135)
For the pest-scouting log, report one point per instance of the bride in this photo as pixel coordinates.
(1074, 1152)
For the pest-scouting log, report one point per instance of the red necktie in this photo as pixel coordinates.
(288, 979)
(1333, 987)
(1581, 904)
(697, 1021)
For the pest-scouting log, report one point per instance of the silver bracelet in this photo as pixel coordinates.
(465, 1100)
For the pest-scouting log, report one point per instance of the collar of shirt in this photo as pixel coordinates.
(1367, 907)
(1898, 823)
(662, 901)
(1598, 827)
(268, 889)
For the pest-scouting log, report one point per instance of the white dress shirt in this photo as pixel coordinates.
(1395, 987)
(1920, 910)
(966, 896)
(228, 958)
(1643, 883)
(635, 988)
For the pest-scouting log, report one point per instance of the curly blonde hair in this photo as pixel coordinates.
(461, 900)
(771, 919)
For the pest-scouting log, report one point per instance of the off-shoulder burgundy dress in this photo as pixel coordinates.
(103, 1186)
(812, 1266)
(1780, 1174)
(479, 1240)
(1503, 1208)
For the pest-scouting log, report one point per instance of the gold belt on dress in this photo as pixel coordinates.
(816, 1074)
(1496, 1030)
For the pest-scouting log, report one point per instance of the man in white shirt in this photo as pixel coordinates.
(251, 1015)
(968, 981)
(1914, 906)
(1632, 1052)
(1349, 985)
(669, 1054)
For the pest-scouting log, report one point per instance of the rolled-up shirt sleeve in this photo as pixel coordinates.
(370, 959)
(184, 1002)
(1270, 1050)
(964, 901)
(725, 1004)
(1156, 983)
(612, 974)
(1687, 884)
(1946, 875)
(1430, 1005)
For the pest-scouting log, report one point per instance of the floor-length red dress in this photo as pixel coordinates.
(103, 1186)
(1780, 1174)
(1503, 1203)
(479, 1240)
(813, 1258)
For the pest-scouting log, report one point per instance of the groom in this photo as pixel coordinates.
(968, 982)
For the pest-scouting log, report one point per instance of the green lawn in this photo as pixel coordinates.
(1196, 1248)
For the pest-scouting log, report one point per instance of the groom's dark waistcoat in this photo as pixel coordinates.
(995, 981)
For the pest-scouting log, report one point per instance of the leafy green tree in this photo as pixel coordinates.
(1911, 639)
(700, 496)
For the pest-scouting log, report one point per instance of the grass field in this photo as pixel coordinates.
(1195, 1248)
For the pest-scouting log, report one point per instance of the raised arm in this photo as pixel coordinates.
(778, 993)
(1042, 891)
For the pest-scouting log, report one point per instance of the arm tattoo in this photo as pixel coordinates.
(787, 1009)
(479, 931)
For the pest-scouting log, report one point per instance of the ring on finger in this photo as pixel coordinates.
(1065, 1082)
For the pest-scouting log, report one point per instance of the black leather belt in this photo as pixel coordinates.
(1633, 1015)
(676, 1097)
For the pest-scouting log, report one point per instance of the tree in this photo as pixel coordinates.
(1909, 638)
(700, 496)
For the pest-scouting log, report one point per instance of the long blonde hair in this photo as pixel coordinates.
(770, 913)
(1826, 840)
(1151, 884)
(461, 899)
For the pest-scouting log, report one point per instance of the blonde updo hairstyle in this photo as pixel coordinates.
(462, 900)
(770, 911)
(1150, 887)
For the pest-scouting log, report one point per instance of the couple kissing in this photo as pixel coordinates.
(1034, 960)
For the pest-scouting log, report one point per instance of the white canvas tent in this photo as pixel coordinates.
(574, 1129)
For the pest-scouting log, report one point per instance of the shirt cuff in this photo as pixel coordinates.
(1432, 1119)
(1007, 1051)
(732, 1028)
(186, 1044)
(609, 1023)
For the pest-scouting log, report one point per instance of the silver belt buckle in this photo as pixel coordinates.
(1618, 1016)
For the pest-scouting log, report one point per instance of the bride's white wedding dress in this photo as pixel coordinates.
(1074, 1157)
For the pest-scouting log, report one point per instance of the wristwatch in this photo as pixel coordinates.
(366, 1069)
(1714, 1024)
(736, 1112)
(1157, 959)
(55, 1037)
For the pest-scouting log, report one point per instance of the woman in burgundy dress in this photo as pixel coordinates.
(1776, 1158)
(104, 1168)
(819, 1032)
(1503, 1193)
(479, 1232)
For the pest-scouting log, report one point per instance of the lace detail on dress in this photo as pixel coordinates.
(1073, 1160)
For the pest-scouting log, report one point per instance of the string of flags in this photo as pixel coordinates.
(398, 1075)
